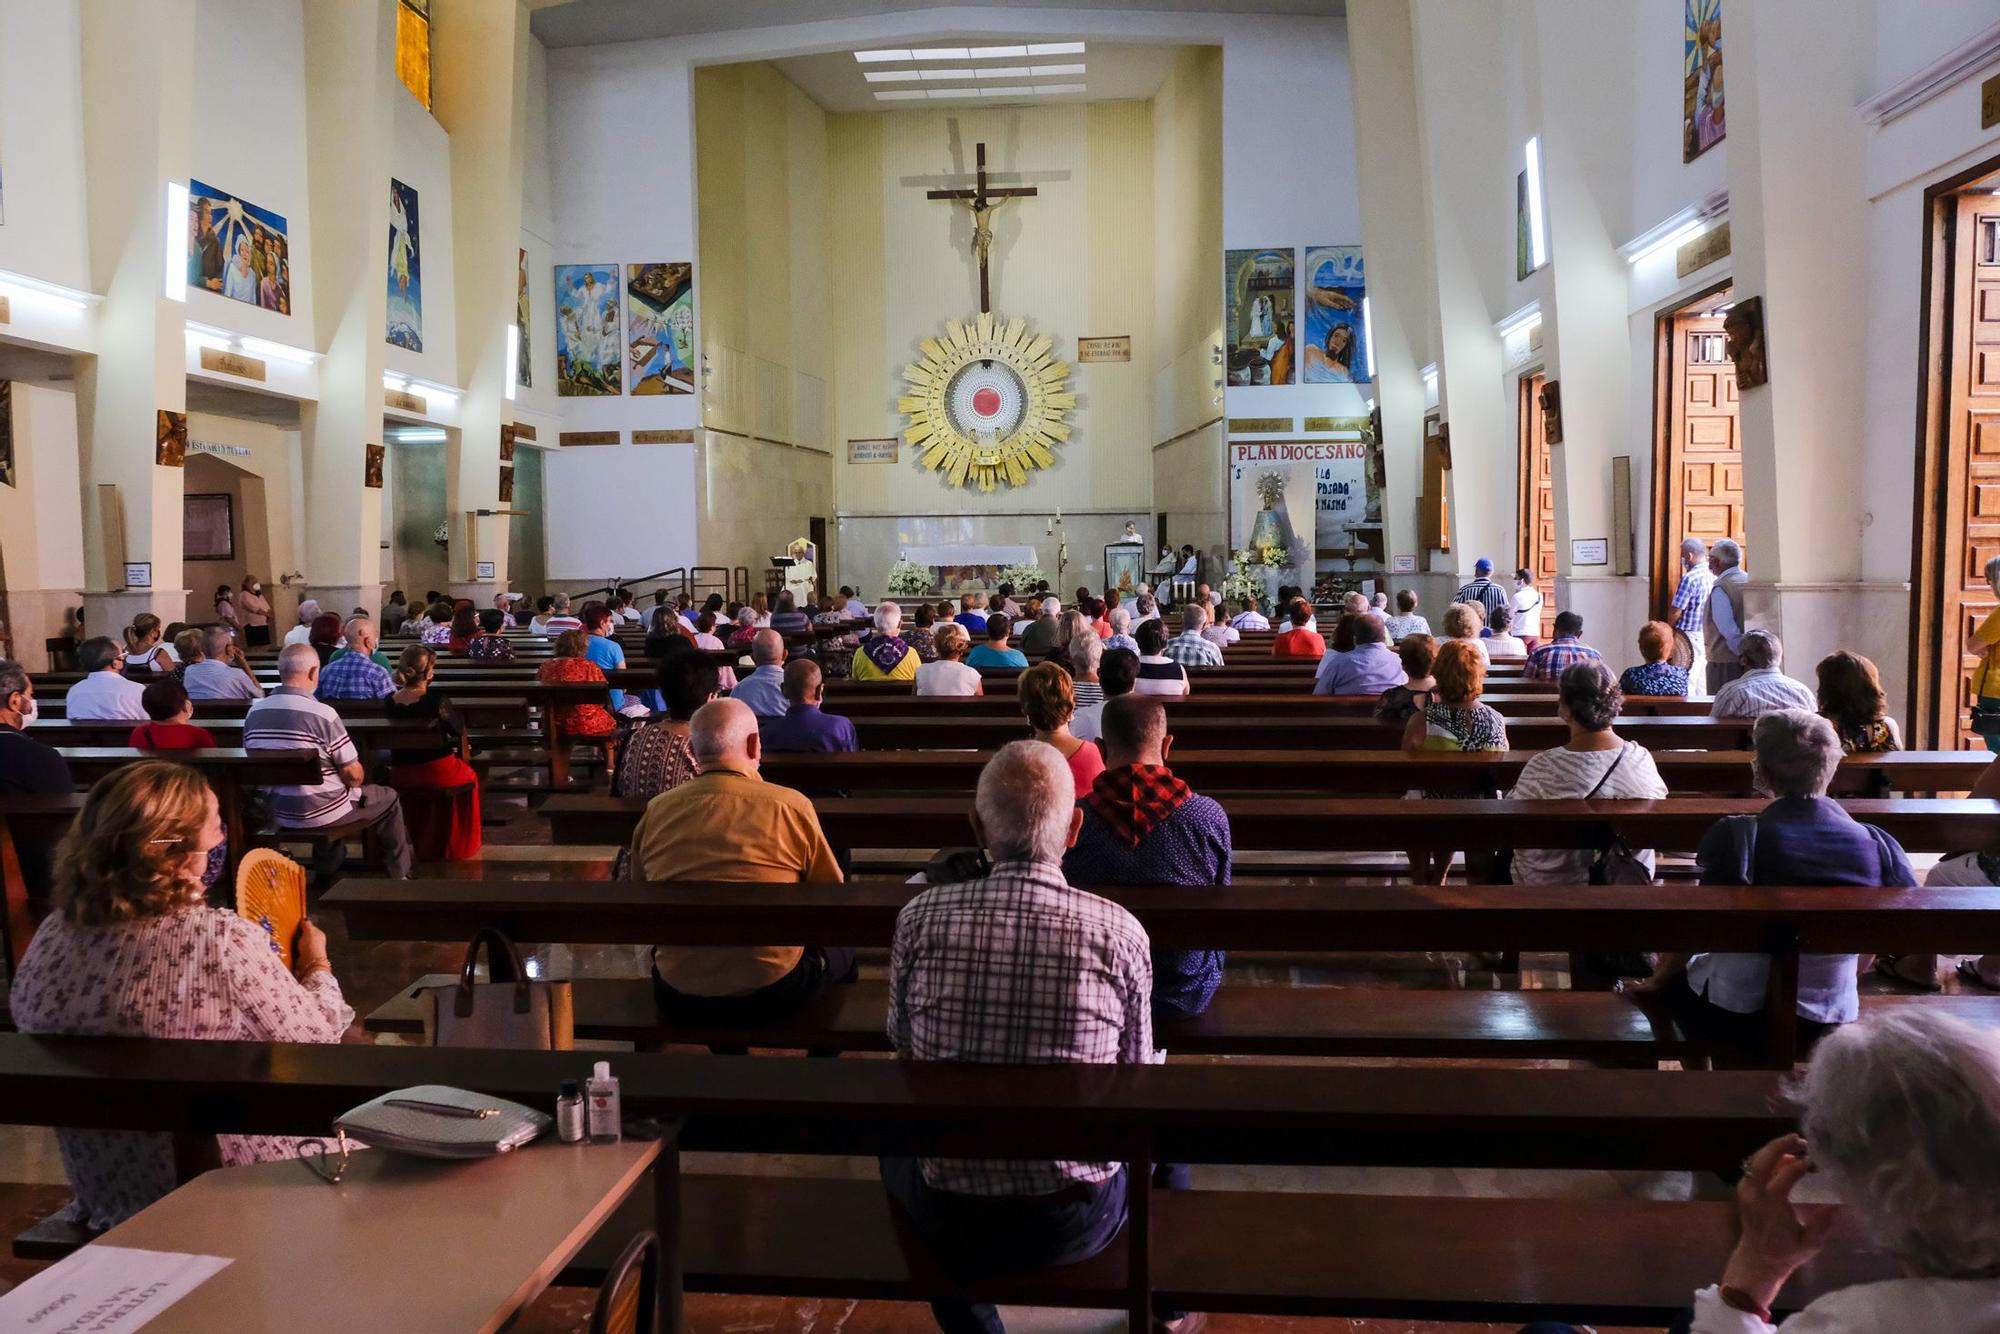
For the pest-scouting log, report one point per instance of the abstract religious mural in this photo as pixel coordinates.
(1702, 123)
(588, 356)
(659, 327)
(1258, 316)
(406, 274)
(1336, 350)
(524, 374)
(238, 250)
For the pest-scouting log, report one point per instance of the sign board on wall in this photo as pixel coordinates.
(6, 311)
(482, 569)
(1703, 251)
(1403, 565)
(231, 363)
(1090, 351)
(569, 438)
(885, 450)
(1590, 551)
(1326, 490)
(404, 401)
(683, 436)
(139, 574)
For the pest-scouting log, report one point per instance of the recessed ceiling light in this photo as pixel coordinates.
(1005, 92)
(890, 75)
(933, 75)
(1042, 71)
(941, 94)
(901, 95)
(1001, 72)
(997, 52)
(1059, 88)
(869, 57)
(939, 53)
(1056, 49)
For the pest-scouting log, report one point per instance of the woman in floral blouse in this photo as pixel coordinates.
(570, 667)
(1655, 675)
(1851, 698)
(132, 950)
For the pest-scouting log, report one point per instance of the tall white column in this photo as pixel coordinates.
(350, 129)
(138, 123)
(480, 98)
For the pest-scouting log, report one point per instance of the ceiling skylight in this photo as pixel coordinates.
(889, 54)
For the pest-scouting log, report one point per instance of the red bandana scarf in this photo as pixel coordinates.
(1135, 799)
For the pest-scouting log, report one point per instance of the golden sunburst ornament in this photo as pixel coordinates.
(986, 402)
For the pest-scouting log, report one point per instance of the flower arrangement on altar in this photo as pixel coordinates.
(1024, 575)
(906, 578)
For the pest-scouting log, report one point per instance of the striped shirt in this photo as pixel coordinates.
(291, 719)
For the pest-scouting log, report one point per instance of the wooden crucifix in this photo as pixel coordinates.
(982, 200)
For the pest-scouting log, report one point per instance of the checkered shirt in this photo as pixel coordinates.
(1018, 968)
(1550, 661)
(354, 676)
(1193, 650)
(1691, 601)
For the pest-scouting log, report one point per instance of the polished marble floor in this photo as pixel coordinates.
(518, 847)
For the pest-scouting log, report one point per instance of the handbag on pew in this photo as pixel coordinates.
(1617, 864)
(508, 1009)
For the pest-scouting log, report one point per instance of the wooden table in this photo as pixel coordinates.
(400, 1244)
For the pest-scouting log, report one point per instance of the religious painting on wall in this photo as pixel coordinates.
(659, 327)
(371, 467)
(208, 528)
(1702, 123)
(506, 486)
(170, 439)
(1336, 350)
(1258, 316)
(1743, 340)
(588, 357)
(524, 374)
(406, 276)
(6, 433)
(238, 250)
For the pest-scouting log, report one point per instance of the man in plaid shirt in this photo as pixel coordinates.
(1551, 660)
(1016, 968)
(1690, 605)
(1192, 648)
(354, 673)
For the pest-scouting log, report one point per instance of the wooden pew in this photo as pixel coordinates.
(1368, 772)
(1272, 1021)
(1336, 824)
(376, 733)
(1233, 703)
(1217, 1251)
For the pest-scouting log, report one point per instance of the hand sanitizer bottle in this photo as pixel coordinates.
(602, 1105)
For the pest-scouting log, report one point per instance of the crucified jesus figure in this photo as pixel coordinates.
(982, 225)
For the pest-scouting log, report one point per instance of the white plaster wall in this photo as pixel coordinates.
(422, 161)
(250, 140)
(41, 142)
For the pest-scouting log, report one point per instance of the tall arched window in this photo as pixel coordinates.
(413, 47)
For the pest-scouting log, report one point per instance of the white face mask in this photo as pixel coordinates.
(28, 713)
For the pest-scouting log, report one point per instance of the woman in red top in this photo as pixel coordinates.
(166, 702)
(439, 790)
(464, 628)
(569, 667)
(1299, 642)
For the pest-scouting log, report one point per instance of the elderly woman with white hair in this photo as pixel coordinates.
(1801, 838)
(1121, 630)
(885, 655)
(1900, 1115)
(1763, 687)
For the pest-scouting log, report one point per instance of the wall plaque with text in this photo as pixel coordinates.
(1590, 551)
(1320, 424)
(1701, 252)
(404, 401)
(6, 311)
(569, 438)
(231, 363)
(1116, 347)
(523, 431)
(886, 450)
(681, 436)
(1259, 425)
(1989, 103)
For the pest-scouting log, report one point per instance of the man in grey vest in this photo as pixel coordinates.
(1722, 632)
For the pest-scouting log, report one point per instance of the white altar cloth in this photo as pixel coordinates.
(970, 553)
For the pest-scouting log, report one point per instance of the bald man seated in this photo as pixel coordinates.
(804, 725)
(763, 691)
(726, 823)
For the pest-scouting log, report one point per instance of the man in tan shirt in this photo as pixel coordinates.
(727, 823)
